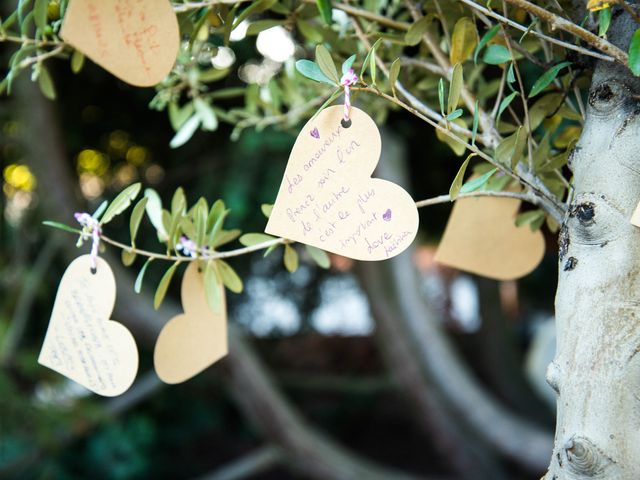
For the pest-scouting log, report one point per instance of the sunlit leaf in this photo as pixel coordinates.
(121, 202)
(136, 217)
(456, 185)
(312, 71)
(163, 286)
(229, 277)
(137, 286)
(325, 62)
(319, 256)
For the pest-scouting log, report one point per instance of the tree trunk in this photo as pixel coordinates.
(596, 371)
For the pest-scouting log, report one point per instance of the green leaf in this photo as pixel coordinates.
(250, 239)
(456, 185)
(77, 61)
(40, 14)
(416, 30)
(45, 82)
(266, 208)
(154, 212)
(186, 131)
(486, 38)
(178, 202)
(328, 101)
(163, 286)
(546, 78)
(463, 40)
(213, 287)
(128, 257)
(511, 75)
(229, 277)
(441, 95)
(506, 101)
(100, 210)
(207, 115)
(136, 217)
(455, 114)
(226, 236)
(325, 62)
(457, 82)
(496, 55)
(312, 71)
(509, 151)
(370, 55)
(290, 258)
(137, 286)
(121, 202)
(261, 25)
(533, 218)
(324, 7)
(61, 226)
(394, 71)
(604, 20)
(179, 115)
(309, 31)
(477, 183)
(347, 64)
(319, 256)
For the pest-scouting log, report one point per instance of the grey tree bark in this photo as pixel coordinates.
(596, 371)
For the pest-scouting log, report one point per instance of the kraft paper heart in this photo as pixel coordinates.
(81, 342)
(328, 199)
(137, 41)
(481, 237)
(194, 340)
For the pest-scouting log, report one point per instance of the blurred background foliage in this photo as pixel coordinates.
(313, 329)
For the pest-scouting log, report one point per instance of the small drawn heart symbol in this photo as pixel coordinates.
(386, 216)
(81, 342)
(192, 341)
(481, 237)
(328, 199)
(136, 41)
(315, 133)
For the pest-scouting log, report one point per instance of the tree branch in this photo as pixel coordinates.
(560, 23)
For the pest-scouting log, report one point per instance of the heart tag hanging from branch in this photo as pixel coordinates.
(328, 199)
(192, 341)
(136, 41)
(481, 237)
(82, 343)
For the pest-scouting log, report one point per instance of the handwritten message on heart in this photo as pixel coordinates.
(81, 342)
(481, 237)
(137, 41)
(328, 199)
(194, 340)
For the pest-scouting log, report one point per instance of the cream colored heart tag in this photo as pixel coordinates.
(194, 340)
(481, 237)
(81, 342)
(328, 199)
(137, 41)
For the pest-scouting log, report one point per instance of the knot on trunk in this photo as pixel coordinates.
(584, 458)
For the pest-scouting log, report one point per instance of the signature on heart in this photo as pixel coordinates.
(315, 133)
(386, 216)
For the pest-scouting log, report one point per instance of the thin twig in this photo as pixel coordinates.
(569, 46)
(560, 23)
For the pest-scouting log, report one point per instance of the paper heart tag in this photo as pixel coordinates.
(328, 199)
(81, 342)
(481, 237)
(137, 41)
(192, 341)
